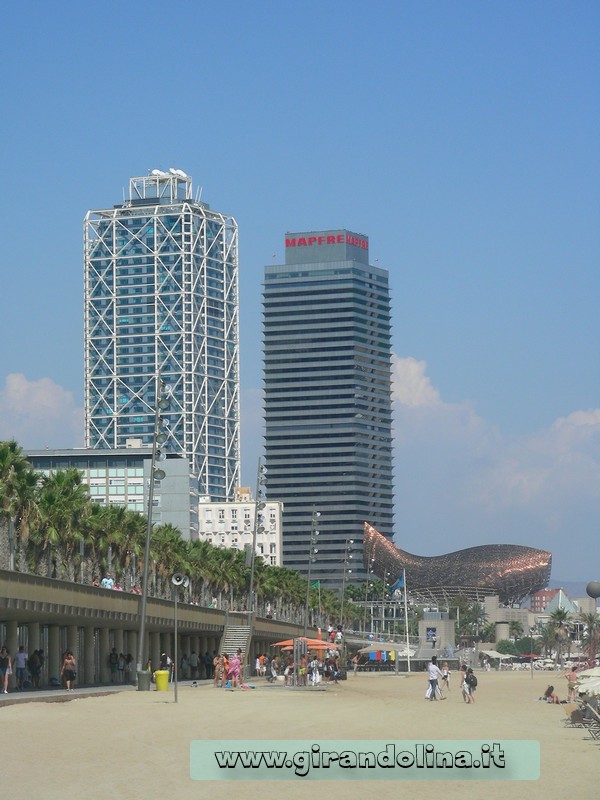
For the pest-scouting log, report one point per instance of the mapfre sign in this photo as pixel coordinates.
(339, 238)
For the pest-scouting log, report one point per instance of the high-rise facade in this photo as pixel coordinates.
(161, 298)
(327, 381)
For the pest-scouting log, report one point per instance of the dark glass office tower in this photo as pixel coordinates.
(328, 400)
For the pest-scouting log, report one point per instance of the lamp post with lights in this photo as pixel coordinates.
(385, 576)
(312, 557)
(159, 437)
(259, 507)
(177, 580)
(367, 587)
(348, 555)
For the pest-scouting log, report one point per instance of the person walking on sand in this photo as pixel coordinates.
(446, 676)
(463, 685)
(5, 669)
(435, 674)
(470, 685)
(68, 670)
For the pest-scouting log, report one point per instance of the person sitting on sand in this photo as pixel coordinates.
(550, 695)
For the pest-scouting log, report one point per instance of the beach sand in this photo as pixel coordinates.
(136, 744)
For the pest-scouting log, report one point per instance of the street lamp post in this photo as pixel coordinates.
(159, 436)
(367, 586)
(312, 557)
(406, 620)
(177, 580)
(385, 574)
(347, 559)
(259, 507)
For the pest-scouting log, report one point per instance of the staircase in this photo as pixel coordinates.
(235, 636)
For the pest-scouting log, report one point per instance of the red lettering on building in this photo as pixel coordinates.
(339, 238)
(357, 242)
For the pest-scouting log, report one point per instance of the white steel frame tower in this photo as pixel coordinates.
(161, 297)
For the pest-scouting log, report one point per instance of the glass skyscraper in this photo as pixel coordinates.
(161, 297)
(327, 381)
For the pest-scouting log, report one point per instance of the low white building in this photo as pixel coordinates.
(231, 524)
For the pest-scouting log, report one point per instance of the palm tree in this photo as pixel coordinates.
(200, 556)
(548, 638)
(168, 551)
(129, 547)
(62, 503)
(96, 534)
(477, 618)
(558, 623)
(226, 570)
(515, 629)
(488, 632)
(18, 507)
(459, 610)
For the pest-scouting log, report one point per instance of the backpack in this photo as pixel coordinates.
(471, 680)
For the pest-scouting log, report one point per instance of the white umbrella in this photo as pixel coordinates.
(496, 654)
(589, 687)
(385, 647)
(593, 672)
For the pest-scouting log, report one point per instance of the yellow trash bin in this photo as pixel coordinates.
(161, 677)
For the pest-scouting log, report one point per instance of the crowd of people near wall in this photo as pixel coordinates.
(27, 669)
(310, 669)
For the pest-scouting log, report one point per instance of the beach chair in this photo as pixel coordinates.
(591, 721)
(574, 715)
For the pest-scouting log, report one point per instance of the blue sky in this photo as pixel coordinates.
(461, 137)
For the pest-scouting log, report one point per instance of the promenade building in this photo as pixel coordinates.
(161, 297)
(327, 383)
(233, 525)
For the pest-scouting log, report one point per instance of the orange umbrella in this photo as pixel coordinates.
(309, 642)
(315, 646)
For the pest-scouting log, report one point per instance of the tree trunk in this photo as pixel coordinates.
(4, 550)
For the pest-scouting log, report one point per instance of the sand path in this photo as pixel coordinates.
(136, 744)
